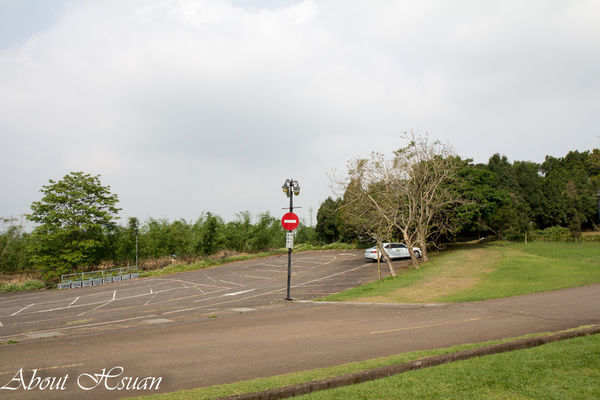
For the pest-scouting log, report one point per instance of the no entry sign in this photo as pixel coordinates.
(290, 221)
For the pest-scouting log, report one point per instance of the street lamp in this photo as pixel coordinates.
(290, 188)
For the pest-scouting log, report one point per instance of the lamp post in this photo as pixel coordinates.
(290, 188)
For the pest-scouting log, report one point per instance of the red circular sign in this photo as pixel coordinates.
(290, 221)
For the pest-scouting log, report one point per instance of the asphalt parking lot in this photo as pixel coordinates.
(236, 287)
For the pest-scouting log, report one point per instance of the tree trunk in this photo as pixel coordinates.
(378, 265)
(386, 258)
(424, 254)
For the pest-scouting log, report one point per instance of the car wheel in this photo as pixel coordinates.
(418, 254)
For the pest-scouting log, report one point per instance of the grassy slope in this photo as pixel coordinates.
(562, 370)
(479, 272)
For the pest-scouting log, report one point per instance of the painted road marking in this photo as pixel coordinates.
(236, 293)
(73, 302)
(426, 326)
(232, 283)
(1, 324)
(93, 309)
(259, 294)
(150, 299)
(255, 277)
(43, 335)
(24, 308)
(83, 326)
(158, 321)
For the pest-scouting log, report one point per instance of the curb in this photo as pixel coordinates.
(383, 372)
(360, 303)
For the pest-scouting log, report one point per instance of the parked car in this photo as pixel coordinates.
(393, 250)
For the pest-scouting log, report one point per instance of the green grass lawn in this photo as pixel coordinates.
(590, 346)
(486, 271)
(564, 370)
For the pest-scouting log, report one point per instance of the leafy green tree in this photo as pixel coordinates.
(75, 216)
(238, 232)
(570, 189)
(328, 224)
(211, 235)
(267, 233)
(14, 244)
(477, 186)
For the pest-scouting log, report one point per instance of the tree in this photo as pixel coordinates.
(75, 214)
(328, 221)
(368, 203)
(477, 186)
(431, 169)
(410, 194)
(13, 246)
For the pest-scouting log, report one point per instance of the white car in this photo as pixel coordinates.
(393, 250)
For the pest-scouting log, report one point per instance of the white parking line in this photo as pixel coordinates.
(93, 309)
(73, 302)
(212, 279)
(259, 294)
(255, 277)
(24, 308)
(232, 283)
(150, 299)
(236, 293)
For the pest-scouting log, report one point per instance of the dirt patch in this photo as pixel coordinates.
(453, 276)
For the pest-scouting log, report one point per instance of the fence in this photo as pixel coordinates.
(83, 279)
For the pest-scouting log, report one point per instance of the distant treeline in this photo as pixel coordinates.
(507, 200)
(504, 200)
(160, 241)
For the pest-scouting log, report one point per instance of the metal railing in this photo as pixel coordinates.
(100, 274)
(100, 277)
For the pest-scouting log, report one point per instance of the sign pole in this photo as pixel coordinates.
(289, 275)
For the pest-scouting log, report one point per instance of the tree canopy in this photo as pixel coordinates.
(74, 215)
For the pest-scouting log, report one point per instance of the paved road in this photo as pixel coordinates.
(233, 287)
(278, 337)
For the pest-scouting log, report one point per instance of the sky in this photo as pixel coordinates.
(185, 106)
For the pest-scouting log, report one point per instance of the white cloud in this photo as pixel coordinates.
(184, 106)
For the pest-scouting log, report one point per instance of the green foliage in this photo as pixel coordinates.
(328, 227)
(32, 284)
(552, 234)
(14, 245)
(76, 214)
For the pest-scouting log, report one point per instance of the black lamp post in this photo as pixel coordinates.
(290, 188)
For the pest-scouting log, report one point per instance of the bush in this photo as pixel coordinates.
(31, 284)
(552, 234)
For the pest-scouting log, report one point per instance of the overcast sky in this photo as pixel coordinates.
(186, 106)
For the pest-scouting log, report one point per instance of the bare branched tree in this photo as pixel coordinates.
(431, 168)
(408, 194)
